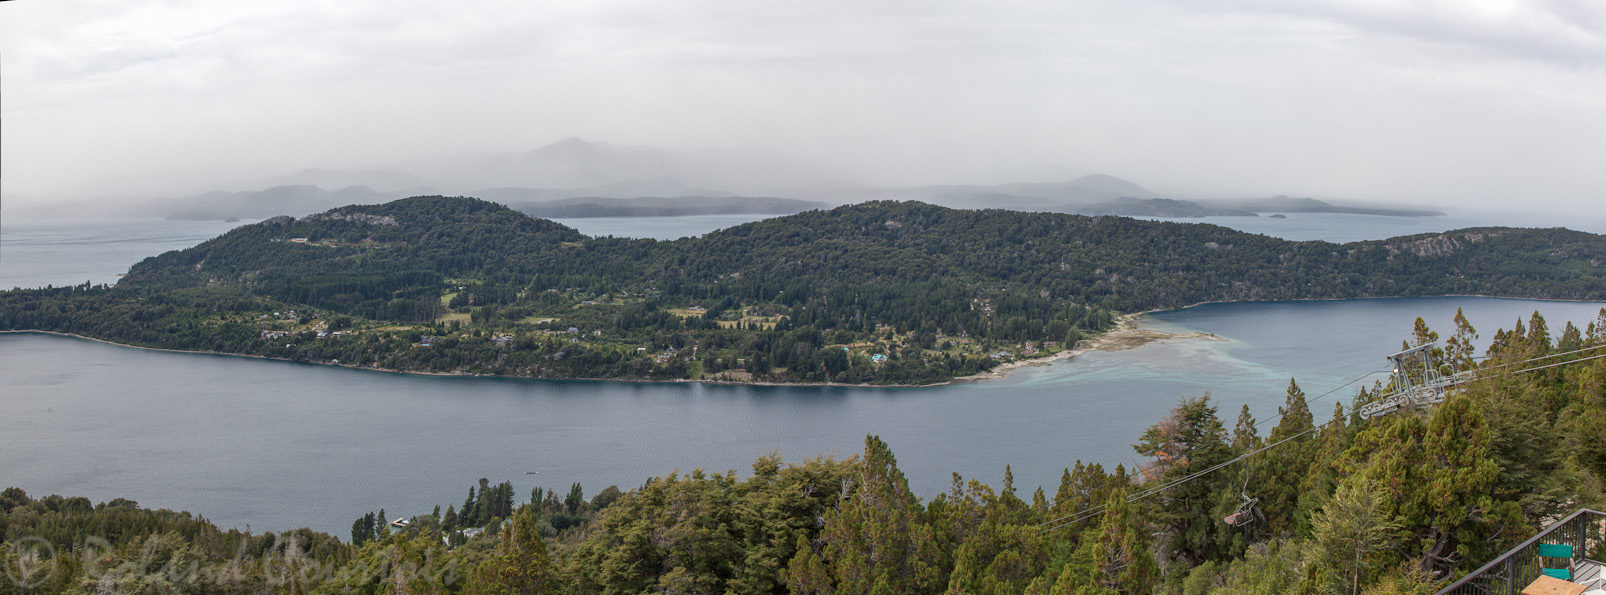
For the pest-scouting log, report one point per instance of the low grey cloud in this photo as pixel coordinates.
(1564, 32)
(1426, 102)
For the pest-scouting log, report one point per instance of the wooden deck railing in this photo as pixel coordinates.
(1512, 571)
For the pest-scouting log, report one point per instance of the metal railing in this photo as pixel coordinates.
(1512, 571)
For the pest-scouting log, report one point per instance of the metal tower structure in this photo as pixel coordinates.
(1417, 380)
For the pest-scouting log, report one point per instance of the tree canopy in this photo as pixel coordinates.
(1393, 504)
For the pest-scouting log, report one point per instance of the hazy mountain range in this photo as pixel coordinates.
(676, 206)
(581, 178)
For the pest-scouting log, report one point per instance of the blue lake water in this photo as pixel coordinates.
(660, 228)
(276, 445)
(40, 252)
(1340, 228)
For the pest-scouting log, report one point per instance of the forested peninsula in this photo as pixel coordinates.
(873, 293)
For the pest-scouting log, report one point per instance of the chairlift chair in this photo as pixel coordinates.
(1245, 512)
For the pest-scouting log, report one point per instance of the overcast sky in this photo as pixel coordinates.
(1448, 102)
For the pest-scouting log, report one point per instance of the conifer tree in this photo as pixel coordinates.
(520, 566)
(1066, 583)
(1441, 479)
(877, 541)
(1352, 530)
(1459, 348)
(1190, 439)
(1117, 555)
(466, 513)
(1279, 471)
(1244, 435)
(575, 499)
(358, 535)
(484, 506)
(1421, 334)
(807, 574)
(1323, 476)
(1596, 333)
(1538, 338)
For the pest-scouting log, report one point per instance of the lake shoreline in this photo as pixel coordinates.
(1125, 335)
(246, 441)
(460, 375)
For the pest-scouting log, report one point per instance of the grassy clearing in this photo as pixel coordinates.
(732, 376)
(764, 323)
(450, 316)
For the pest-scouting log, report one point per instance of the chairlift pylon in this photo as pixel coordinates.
(1417, 379)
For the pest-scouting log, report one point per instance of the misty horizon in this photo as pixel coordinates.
(1437, 104)
(400, 178)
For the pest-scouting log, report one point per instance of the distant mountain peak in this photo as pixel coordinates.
(569, 145)
(1112, 184)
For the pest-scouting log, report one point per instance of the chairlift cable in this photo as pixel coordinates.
(1277, 417)
(1090, 512)
(1582, 359)
(1185, 479)
(1532, 359)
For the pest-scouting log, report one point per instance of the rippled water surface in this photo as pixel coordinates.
(276, 445)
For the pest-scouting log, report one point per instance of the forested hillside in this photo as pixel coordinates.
(1395, 504)
(888, 293)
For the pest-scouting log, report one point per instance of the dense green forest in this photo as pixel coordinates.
(1395, 504)
(879, 293)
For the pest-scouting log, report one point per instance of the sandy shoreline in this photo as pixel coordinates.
(1126, 335)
